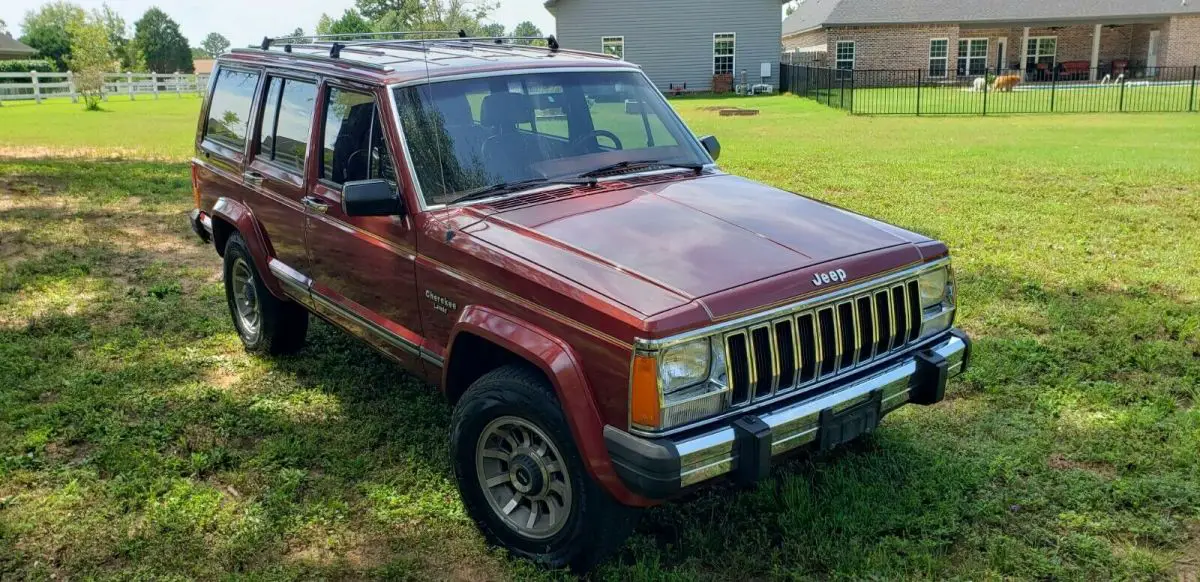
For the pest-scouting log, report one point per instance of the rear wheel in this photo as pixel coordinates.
(265, 323)
(522, 479)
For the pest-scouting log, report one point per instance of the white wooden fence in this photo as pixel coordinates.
(38, 86)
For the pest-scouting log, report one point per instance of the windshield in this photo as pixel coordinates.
(470, 134)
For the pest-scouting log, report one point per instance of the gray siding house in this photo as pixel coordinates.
(679, 42)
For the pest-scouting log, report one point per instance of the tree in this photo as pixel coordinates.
(46, 29)
(527, 28)
(494, 29)
(404, 12)
(3, 27)
(91, 56)
(199, 53)
(351, 22)
(215, 44)
(165, 48)
(299, 32)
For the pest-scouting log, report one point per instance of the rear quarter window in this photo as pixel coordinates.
(229, 110)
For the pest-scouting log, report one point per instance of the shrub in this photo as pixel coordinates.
(27, 66)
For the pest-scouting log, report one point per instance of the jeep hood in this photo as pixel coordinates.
(658, 246)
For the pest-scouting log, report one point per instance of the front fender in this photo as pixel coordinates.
(562, 366)
(242, 218)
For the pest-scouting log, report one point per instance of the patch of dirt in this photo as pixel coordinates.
(105, 153)
(1058, 462)
(1187, 566)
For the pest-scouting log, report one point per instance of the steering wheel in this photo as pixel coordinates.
(350, 161)
(577, 143)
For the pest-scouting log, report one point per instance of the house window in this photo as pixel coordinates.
(1041, 51)
(844, 52)
(939, 52)
(614, 46)
(972, 56)
(723, 53)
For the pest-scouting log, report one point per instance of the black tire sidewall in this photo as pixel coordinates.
(492, 399)
(235, 249)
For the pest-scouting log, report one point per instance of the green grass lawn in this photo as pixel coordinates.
(138, 440)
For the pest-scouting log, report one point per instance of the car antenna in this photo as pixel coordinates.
(552, 42)
(266, 43)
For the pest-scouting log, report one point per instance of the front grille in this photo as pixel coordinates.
(795, 352)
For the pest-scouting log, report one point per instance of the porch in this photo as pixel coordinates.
(1070, 52)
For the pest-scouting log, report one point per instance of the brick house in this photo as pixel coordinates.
(1084, 38)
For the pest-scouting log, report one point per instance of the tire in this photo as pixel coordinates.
(271, 326)
(594, 526)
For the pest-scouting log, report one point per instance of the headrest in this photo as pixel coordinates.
(454, 107)
(506, 109)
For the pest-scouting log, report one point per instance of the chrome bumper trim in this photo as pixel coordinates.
(712, 454)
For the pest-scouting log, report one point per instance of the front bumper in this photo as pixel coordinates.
(660, 468)
(201, 224)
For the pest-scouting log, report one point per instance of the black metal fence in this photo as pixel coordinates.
(922, 92)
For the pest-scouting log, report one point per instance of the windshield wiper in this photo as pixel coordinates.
(637, 164)
(506, 187)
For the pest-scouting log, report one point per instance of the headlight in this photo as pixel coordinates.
(937, 300)
(678, 385)
(683, 365)
(934, 286)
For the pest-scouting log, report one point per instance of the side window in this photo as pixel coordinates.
(287, 116)
(229, 110)
(353, 145)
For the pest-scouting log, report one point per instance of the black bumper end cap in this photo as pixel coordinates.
(930, 381)
(650, 468)
(965, 339)
(752, 446)
(197, 226)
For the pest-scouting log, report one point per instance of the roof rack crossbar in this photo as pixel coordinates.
(321, 57)
(347, 39)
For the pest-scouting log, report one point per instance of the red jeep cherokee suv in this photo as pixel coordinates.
(614, 319)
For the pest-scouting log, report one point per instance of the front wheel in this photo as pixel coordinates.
(522, 479)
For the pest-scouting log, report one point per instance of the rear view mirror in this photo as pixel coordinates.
(713, 146)
(371, 198)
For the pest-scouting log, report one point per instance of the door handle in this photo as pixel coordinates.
(252, 178)
(314, 204)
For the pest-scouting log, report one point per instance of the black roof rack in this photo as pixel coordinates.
(426, 43)
(355, 38)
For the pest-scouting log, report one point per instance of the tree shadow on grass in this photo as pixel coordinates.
(136, 437)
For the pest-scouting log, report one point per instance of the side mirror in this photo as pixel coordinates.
(371, 198)
(713, 146)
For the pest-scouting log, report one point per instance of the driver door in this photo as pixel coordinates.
(363, 268)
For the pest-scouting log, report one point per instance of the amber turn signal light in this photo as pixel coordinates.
(645, 407)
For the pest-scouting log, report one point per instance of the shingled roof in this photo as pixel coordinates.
(812, 14)
(12, 48)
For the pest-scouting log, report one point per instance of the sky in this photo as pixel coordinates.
(247, 21)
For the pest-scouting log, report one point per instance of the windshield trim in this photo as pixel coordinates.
(411, 170)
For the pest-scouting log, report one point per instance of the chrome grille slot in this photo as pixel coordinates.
(738, 357)
(914, 312)
(827, 335)
(806, 330)
(900, 316)
(867, 329)
(785, 342)
(800, 349)
(887, 323)
(848, 332)
(763, 348)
